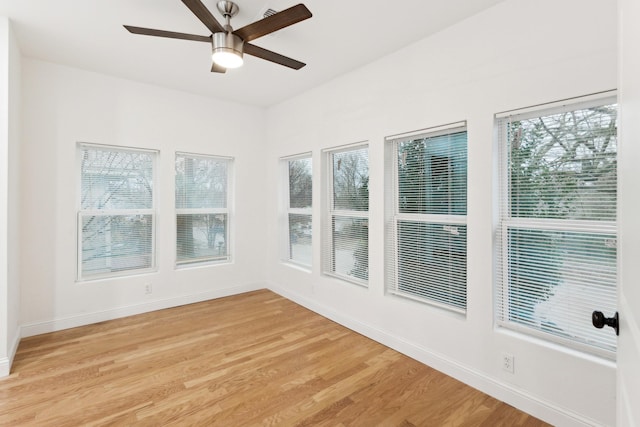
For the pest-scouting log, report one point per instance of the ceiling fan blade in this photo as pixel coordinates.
(215, 68)
(168, 34)
(203, 14)
(253, 50)
(273, 23)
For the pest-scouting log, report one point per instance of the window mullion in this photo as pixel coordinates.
(449, 219)
(116, 212)
(350, 214)
(202, 211)
(562, 225)
(300, 211)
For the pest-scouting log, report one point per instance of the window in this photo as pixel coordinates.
(557, 233)
(426, 257)
(116, 218)
(298, 202)
(202, 208)
(346, 244)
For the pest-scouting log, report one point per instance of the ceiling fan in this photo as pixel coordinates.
(228, 45)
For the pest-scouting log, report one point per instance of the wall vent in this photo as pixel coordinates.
(269, 12)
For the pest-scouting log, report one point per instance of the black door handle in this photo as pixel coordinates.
(599, 321)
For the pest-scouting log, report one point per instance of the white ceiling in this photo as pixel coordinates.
(341, 36)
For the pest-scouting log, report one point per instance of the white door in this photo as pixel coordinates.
(628, 377)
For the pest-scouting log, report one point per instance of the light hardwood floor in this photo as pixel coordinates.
(255, 359)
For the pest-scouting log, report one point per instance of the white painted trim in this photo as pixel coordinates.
(346, 147)
(625, 400)
(607, 96)
(630, 323)
(429, 132)
(5, 367)
(6, 362)
(305, 155)
(625, 415)
(61, 323)
(540, 408)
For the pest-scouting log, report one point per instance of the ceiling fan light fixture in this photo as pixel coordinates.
(227, 45)
(227, 59)
(227, 50)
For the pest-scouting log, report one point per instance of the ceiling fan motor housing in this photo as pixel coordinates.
(228, 42)
(227, 45)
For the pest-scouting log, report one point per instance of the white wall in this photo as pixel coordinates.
(63, 106)
(517, 54)
(9, 195)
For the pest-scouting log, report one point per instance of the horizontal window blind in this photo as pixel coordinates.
(350, 249)
(557, 235)
(202, 208)
(426, 249)
(116, 220)
(299, 238)
(298, 205)
(346, 231)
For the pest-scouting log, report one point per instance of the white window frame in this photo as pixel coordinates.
(328, 259)
(222, 259)
(451, 223)
(82, 213)
(506, 222)
(287, 210)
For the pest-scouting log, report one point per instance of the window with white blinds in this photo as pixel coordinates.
(346, 229)
(298, 203)
(557, 236)
(426, 208)
(116, 217)
(202, 208)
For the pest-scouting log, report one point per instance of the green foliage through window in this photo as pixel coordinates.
(564, 165)
(202, 208)
(559, 243)
(429, 260)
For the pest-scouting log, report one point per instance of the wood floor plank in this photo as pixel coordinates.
(255, 359)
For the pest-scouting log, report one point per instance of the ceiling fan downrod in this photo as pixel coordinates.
(228, 9)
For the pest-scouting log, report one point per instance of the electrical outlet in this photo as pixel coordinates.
(148, 289)
(507, 362)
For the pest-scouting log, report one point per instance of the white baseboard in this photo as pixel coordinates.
(5, 367)
(59, 324)
(6, 362)
(540, 408)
